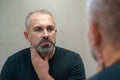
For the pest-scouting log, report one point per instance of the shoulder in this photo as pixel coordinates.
(72, 61)
(106, 73)
(12, 64)
(67, 54)
(20, 54)
(66, 51)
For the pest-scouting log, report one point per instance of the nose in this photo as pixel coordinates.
(45, 33)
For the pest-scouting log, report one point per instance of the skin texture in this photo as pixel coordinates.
(41, 33)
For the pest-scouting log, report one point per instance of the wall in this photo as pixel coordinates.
(71, 21)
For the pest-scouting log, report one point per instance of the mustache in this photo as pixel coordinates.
(45, 40)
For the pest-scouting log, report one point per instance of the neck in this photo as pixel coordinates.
(111, 56)
(113, 60)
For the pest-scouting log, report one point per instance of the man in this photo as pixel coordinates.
(43, 60)
(104, 37)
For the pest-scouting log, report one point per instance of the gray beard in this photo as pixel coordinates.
(45, 50)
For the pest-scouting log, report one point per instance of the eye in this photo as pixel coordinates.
(38, 29)
(50, 28)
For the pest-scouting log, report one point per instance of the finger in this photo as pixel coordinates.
(46, 58)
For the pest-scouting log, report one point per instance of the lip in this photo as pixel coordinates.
(46, 42)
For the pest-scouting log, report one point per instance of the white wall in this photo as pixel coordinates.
(71, 21)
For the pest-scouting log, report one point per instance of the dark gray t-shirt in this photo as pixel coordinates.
(65, 65)
(110, 73)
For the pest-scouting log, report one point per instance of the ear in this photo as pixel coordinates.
(94, 34)
(26, 35)
(55, 30)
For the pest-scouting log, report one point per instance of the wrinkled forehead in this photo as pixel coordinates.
(41, 20)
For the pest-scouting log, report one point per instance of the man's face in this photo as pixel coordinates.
(41, 32)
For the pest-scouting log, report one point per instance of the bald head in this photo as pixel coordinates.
(106, 14)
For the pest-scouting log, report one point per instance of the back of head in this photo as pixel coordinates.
(106, 14)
